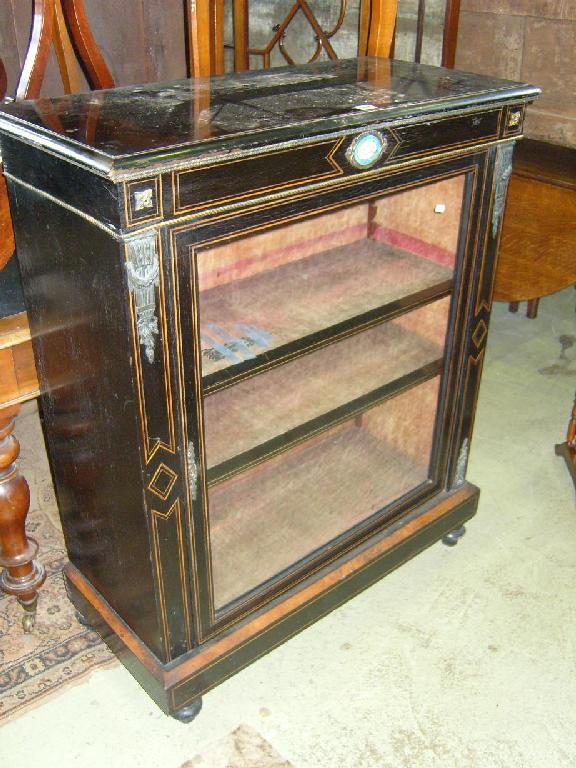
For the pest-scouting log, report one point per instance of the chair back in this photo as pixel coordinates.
(376, 27)
(61, 23)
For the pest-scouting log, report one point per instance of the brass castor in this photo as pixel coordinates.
(29, 617)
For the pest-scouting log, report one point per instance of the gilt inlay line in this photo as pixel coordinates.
(162, 482)
(479, 333)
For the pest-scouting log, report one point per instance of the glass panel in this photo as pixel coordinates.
(267, 518)
(322, 347)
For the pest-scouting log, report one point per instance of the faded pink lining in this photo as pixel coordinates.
(352, 233)
(414, 245)
(382, 234)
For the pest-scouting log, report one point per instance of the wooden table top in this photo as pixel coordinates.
(550, 163)
(11, 295)
(18, 381)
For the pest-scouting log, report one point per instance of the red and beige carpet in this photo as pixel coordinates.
(60, 651)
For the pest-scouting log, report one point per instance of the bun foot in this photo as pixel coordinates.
(453, 537)
(188, 713)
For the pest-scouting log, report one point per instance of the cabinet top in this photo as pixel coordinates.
(137, 125)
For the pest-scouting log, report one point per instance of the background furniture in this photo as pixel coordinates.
(568, 449)
(376, 34)
(151, 41)
(259, 369)
(23, 575)
(538, 248)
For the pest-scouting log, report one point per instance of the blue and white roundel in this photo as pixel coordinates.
(366, 149)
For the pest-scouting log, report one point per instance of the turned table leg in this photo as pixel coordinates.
(22, 576)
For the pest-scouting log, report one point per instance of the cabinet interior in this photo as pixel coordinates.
(323, 343)
(268, 518)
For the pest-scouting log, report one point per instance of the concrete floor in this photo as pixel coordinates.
(463, 657)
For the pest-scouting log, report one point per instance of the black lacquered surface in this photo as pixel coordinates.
(11, 295)
(148, 118)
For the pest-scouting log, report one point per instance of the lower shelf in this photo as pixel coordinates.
(274, 515)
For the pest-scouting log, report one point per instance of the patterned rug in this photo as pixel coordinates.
(59, 651)
(243, 748)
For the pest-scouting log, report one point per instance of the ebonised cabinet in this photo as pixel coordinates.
(259, 306)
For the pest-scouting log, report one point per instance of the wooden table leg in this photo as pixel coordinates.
(571, 434)
(532, 311)
(23, 576)
(568, 449)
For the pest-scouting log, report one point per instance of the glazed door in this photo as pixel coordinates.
(322, 384)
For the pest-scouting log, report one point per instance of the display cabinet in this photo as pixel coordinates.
(259, 307)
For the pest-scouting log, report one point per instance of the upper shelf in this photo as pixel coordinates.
(273, 315)
(124, 127)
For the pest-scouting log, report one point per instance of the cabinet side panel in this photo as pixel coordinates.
(74, 281)
(73, 185)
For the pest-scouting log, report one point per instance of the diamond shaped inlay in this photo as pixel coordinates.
(479, 333)
(162, 482)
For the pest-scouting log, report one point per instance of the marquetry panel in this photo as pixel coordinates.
(277, 171)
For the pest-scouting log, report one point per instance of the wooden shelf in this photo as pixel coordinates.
(270, 517)
(272, 316)
(262, 416)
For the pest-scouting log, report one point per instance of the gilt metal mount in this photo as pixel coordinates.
(460, 473)
(143, 268)
(192, 471)
(502, 173)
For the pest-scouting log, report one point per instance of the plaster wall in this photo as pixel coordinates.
(529, 40)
